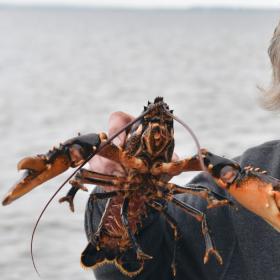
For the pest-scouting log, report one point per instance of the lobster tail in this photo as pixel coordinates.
(129, 264)
(126, 262)
(92, 257)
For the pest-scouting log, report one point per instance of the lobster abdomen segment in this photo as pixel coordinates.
(126, 261)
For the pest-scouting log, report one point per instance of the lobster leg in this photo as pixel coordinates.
(93, 178)
(115, 153)
(209, 244)
(124, 216)
(174, 226)
(106, 195)
(88, 174)
(200, 216)
(71, 195)
(213, 199)
(92, 174)
(100, 182)
(104, 180)
(95, 238)
(192, 164)
(176, 167)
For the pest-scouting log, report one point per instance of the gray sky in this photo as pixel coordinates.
(151, 3)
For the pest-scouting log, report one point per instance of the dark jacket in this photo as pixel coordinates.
(250, 247)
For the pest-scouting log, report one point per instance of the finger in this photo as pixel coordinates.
(104, 165)
(118, 120)
(175, 157)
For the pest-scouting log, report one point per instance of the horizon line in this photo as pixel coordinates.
(139, 7)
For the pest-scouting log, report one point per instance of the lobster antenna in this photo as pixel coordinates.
(193, 136)
(79, 168)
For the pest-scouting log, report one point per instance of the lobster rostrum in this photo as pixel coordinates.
(146, 159)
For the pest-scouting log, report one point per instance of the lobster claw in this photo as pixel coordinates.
(38, 170)
(41, 168)
(251, 187)
(259, 193)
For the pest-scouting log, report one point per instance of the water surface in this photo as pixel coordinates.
(62, 71)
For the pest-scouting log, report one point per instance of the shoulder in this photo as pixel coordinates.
(267, 147)
(266, 156)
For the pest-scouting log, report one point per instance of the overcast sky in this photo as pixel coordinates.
(151, 3)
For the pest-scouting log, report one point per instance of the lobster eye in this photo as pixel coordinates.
(228, 174)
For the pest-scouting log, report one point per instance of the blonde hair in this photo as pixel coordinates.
(271, 97)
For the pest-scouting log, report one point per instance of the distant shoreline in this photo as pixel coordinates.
(126, 8)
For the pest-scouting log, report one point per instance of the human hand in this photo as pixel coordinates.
(103, 165)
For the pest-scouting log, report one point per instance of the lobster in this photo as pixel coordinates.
(144, 187)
